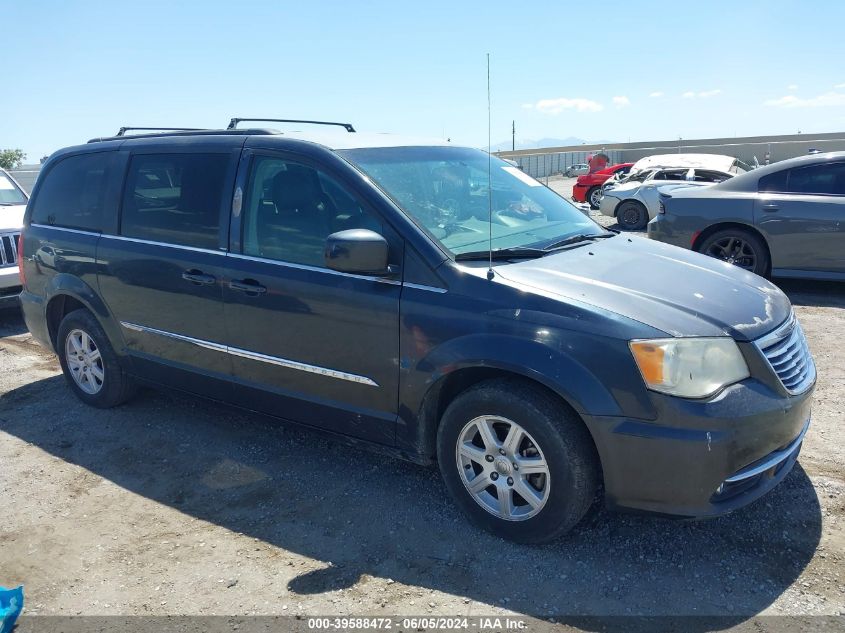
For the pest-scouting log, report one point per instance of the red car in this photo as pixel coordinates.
(588, 187)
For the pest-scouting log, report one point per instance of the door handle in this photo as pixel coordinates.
(198, 278)
(770, 207)
(249, 286)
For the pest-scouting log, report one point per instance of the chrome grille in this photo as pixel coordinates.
(788, 355)
(9, 249)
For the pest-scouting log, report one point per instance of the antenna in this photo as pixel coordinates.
(490, 273)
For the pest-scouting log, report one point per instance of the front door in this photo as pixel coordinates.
(161, 275)
(308, 343)
(802, 213)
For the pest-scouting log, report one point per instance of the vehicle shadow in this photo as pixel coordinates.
(802, 292)
(361, 513)
(11, 322)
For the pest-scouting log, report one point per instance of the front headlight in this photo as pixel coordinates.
(689, 367)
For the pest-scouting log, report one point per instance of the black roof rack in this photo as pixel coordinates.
(186, 132)
(347, 126)
(122, 131)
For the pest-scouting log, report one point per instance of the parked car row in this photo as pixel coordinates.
(588, 186)
(633, 200)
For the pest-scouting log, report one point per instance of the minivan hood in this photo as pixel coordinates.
(680, 292)
(11, 218)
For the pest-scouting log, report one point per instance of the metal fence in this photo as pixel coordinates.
(543, 165)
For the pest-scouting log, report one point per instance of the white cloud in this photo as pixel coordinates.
(839, 86)
(621, 102)
(527, 106)
(690, 94)
(556, 106)
(656, 94)
(791, 101)
(792, 87)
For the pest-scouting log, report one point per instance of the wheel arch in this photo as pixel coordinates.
(67, 293)
(449, 386)
(698, 240)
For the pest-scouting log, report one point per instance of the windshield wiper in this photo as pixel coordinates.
(500, 253)
(575, 239)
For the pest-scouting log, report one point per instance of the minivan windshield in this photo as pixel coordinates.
(445, 191)
(9, 192)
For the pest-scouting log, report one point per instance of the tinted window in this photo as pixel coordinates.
(775, 182)
(291, 209)
(827, 178)
(174, 198)
(73, 192)
(675, 174)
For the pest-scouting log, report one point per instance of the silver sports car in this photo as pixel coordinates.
(785, 220)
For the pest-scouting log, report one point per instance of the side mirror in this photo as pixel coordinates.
(359, 251)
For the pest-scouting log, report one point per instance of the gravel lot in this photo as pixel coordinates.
(170, 505)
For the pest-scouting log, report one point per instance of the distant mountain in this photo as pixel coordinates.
(527, 143)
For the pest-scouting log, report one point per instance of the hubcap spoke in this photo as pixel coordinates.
(512, 440)
(535, 466)
(479, 484)
(527, 492)
(97, 372)
(505, 501)
(488, 436)
(471, 451)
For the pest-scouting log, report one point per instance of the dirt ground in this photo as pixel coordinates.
(170, 505)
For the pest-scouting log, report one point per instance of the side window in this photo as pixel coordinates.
(773, 183)
(73, 193)
(824, 179)
(291, 209)
(705, 175)
(174, 198)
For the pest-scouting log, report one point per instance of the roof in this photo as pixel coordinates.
(705, 161)
(334, 139)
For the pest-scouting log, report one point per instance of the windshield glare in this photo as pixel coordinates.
(9, 193)
(445, 191)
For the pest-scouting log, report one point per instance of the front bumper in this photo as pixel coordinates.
(702, 458)
(10, 286)
(579, 193)
(608, 204)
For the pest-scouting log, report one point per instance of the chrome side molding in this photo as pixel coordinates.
(264, 358)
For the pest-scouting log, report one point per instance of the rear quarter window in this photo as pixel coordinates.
(73, 192)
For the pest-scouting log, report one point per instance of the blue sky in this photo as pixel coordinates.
(613, 71)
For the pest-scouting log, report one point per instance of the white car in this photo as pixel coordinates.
(633, 201)
(13, 201)
(578, 169)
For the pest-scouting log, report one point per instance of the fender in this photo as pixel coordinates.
(72, 286)
(557, 360)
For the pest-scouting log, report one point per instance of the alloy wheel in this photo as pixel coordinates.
(84, 361)
(733, 250)
(503, 468)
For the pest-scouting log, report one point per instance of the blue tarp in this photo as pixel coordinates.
(11, 605)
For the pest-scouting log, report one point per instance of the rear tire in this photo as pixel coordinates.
(533, 452)
(632, 215)
(89, 363)
(594, 192)
(739, 247)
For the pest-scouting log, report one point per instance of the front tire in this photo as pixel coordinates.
(89, 363)
(632, 215)
(517, 461)
(738, 247)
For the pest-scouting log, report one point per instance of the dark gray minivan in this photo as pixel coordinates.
(345, 282)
